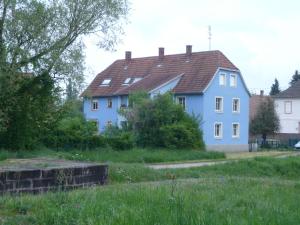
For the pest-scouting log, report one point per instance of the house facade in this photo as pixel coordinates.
(287, 104)
(206, 84)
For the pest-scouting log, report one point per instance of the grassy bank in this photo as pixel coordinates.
(284, 168)
(108, 155)
(204, 201)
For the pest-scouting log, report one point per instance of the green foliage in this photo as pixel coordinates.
(275, 88)
(266, 120)
(157, 122)
(295, 78)
(41, 46)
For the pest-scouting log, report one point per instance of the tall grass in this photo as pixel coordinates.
(108, 155)
(206, 201)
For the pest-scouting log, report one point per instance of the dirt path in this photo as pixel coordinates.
(212, 163)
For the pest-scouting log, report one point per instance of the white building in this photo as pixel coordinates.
(287, 105)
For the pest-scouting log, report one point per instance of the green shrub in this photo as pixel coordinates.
(123, 141)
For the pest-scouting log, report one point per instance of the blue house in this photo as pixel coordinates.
(206, 84)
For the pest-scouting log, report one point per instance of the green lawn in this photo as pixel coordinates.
(252, 191)
(108, 155)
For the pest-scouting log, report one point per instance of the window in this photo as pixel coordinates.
(222, 79)
(94, 104)
(105, 82)
(109, 103)
(181, 101)
(219, 104)
(136, 80)
(236, 105)
(124, 102)
(233, 80)
(109, 123)
(218, 130)
(127, 81)
(95, 123)
(287, 107)
(235, 130)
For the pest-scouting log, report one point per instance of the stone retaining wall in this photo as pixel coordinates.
(43, 180)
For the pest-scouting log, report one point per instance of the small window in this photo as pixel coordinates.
(233, 80)
(222, 80)
(105, 82)
(109, 103)
(136, 80)
(127, 81)
(218, 130)
(94, 104)
(124, 102)
(219, 104)
(236, 105)
(287, 107)
(235, 130)
(181, 101)
(109, 123)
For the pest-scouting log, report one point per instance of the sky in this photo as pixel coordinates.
(261, 37)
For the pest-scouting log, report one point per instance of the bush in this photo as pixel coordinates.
(181, 135)
(123, 141)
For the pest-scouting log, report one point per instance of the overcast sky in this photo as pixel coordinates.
(261, 37)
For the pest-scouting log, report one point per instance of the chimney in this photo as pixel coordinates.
(188, 50)
(161, 53)
(128, 56)
(261, 93)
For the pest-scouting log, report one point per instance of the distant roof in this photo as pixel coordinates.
(197, 69)
(291, 92)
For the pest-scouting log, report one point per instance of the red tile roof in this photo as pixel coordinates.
(197, 70)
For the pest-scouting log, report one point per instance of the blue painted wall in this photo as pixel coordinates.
(227, 117)
(103, 114)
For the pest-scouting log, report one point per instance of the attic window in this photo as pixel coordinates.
(136, 79)
(127, 81)
(105, 82)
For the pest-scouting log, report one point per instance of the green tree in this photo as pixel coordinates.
(275, 88)
(266, 120)
(295, 78)
(160, 122)
(41, 45)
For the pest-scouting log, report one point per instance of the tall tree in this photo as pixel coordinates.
(295, 78)
(41, 44)
(275, 88)
(266, 120)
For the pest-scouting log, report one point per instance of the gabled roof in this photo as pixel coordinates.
(197, 69)
(291, 92)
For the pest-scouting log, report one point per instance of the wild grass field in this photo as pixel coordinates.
(251, 191)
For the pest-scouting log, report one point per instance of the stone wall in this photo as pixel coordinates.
(43, 180)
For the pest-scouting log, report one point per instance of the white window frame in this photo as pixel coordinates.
(105, 82)
(238, 130)
(222, 104)
(221, 76)
(137, 79)
(238, 107)
(109, 103)
(235, 80)
(285, 107)
(92, 104)
(177, 100)
(220, 132)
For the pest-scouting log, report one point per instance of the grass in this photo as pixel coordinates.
(261, 190)
(108, 155)
(281, 168)
(206, 201)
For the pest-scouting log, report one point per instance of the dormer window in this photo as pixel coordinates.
(136, 79)
(127, 81)
(105, 82)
